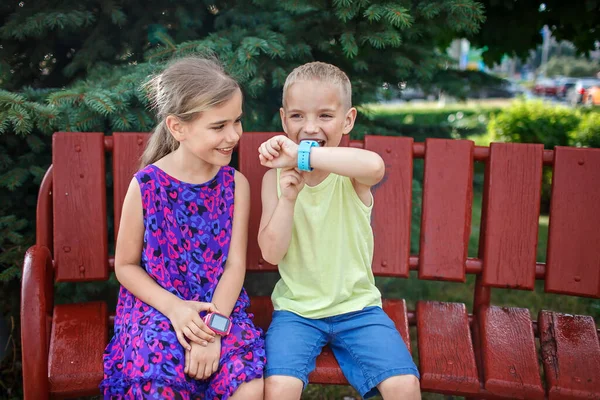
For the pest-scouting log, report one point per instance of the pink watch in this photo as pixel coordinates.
(218, 323)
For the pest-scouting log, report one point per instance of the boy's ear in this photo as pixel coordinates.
(349, 120)
(176, 127)
(283, 120)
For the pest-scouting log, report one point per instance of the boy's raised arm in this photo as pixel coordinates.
(363, 166)
(275, 231)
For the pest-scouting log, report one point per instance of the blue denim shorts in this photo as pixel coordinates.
(365, 343)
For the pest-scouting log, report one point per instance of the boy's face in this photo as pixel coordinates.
(314, 110)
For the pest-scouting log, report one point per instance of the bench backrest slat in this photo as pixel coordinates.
(573, 258)
(79, 197)
(446, 211)
(511, 211)
(254, 172)
(391, 215)
(127, 150)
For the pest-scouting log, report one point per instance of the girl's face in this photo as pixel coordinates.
(213, 135)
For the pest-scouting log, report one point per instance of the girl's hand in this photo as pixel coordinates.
(278, 152)
(185, 318)
(201, 362)
(291, 182)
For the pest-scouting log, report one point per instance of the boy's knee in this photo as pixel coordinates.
(400, 387)
(283, 387)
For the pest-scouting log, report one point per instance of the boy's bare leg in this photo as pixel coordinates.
(405, 387)
(280, 387)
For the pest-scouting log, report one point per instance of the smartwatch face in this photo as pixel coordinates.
(219, 323)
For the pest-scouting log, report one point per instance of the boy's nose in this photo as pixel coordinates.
(311, 128)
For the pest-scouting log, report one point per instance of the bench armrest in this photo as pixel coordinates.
(37, 292)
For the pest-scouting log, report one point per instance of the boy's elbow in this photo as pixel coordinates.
(377, 169)
(270, 258)
(265, 252)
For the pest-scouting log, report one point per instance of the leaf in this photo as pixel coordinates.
(374, 13)
(35, 143)
(349, 45)
(14, 178)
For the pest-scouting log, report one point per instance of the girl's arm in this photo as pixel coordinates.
(230, 285)
(183, 314)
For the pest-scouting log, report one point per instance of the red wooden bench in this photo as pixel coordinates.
(488, 352)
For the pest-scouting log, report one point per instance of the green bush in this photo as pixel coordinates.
(535, 122)
(588, 131)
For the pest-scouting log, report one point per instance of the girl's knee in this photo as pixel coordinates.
(253, 390)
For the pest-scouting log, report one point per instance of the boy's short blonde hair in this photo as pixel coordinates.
(322, 72)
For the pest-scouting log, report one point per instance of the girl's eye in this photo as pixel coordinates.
(239, 120)
(218, 127)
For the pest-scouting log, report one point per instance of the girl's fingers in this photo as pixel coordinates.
(191, 336)
(187, 361)
(182, 340)
(208, 370)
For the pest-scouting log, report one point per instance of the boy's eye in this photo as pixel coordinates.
(295, 116)
(326, 116)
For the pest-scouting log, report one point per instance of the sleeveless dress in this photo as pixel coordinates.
(186, 243)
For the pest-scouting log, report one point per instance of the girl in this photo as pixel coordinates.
(181, 251)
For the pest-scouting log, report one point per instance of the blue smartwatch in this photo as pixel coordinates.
(304, 154)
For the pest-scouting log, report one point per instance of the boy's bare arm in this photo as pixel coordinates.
(275, 231)
(363, 166)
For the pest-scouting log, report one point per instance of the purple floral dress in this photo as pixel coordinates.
(186, 243)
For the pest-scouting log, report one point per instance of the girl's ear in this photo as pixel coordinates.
(349, 120)
(176, 127)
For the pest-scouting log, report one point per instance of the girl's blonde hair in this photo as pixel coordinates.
(185, 89)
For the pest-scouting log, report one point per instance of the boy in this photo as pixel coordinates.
(316, 226)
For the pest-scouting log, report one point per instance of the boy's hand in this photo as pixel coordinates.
(185, 318)
(278, 152)
(291, 182)
(201, 362)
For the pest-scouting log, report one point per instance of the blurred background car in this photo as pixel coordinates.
(578, 93)
(563, 85)
(545, 87)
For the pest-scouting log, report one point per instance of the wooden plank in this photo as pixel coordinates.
(396, 310)
(573, 258)
(127, 150)
(79, 336)
(571, 355)
(446, 356)
(79, 195)
(509, 356)
(446, 211)
(392, 209)
(328, 370)
(512, 206)
(261, 307)
(251, 168)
